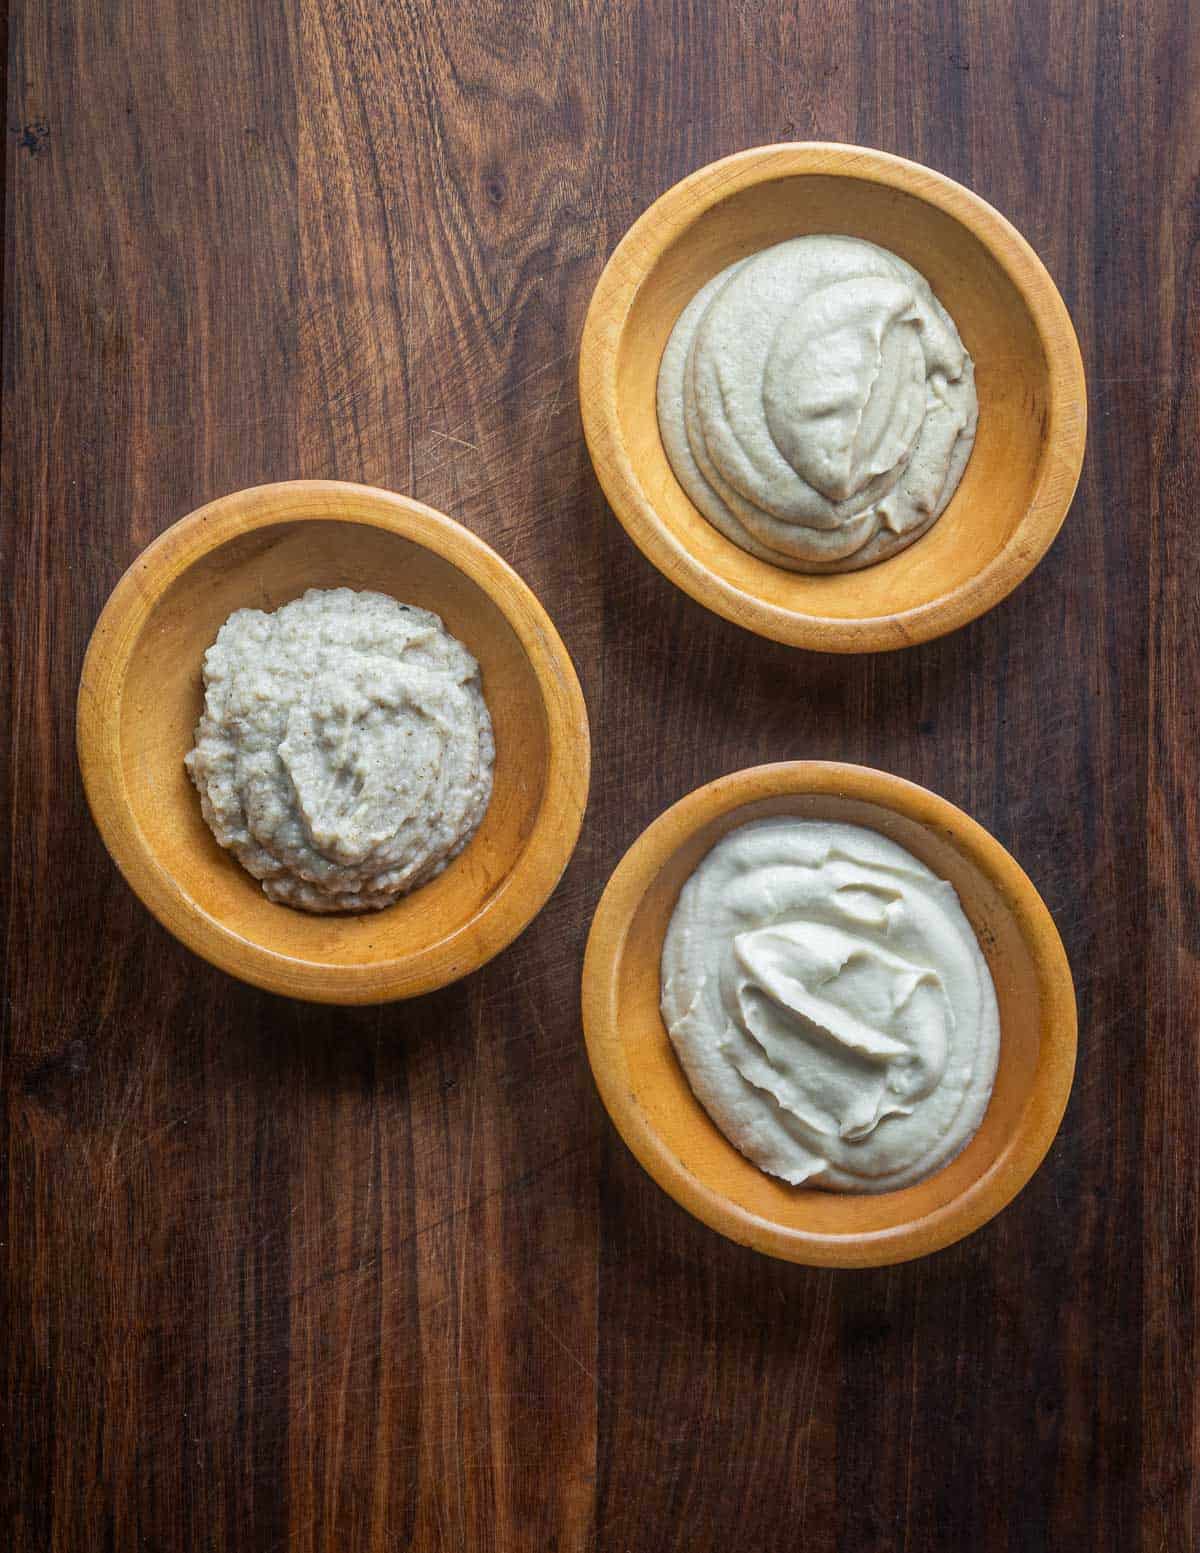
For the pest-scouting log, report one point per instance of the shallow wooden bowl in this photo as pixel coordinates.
(1028, 372)
(141, 694)
(648, 1096)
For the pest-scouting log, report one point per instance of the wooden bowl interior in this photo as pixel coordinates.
(1012, 380)
(661, 1090)
(162, 697)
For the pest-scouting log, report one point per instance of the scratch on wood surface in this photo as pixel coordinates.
(825, 1308)
(446, 437)
(156, 1133)
(348, 1331)
(455, 1354)
(579, 1363)
(553, 410)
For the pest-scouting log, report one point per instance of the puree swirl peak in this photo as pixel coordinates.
(830, 1005)
(817, 404)
(345, 751)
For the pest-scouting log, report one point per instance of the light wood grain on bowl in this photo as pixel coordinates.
(141, 694)
(1022, 475)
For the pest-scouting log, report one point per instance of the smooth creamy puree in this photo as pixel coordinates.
(345, 751)
(830, 1005)
(817, 404)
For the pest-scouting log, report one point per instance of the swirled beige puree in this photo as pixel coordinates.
(345, 752)
(830, 1005)
(817, 404)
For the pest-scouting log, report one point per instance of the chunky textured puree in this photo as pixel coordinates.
(345, 752)
(830, 1005)
(817, 404)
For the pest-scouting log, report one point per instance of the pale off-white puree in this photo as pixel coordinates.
(817, 404)
(830, 1005)
(345, 751)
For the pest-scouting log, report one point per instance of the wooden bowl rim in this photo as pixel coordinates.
(1066, 424)
(547, 849)
(602, 979)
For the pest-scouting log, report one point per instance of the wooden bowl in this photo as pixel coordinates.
(1028, 373)
(648, 1096)
(141, 694)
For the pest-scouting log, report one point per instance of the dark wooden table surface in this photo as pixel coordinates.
(277, 1276)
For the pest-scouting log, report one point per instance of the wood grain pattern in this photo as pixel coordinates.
(277, 1276)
